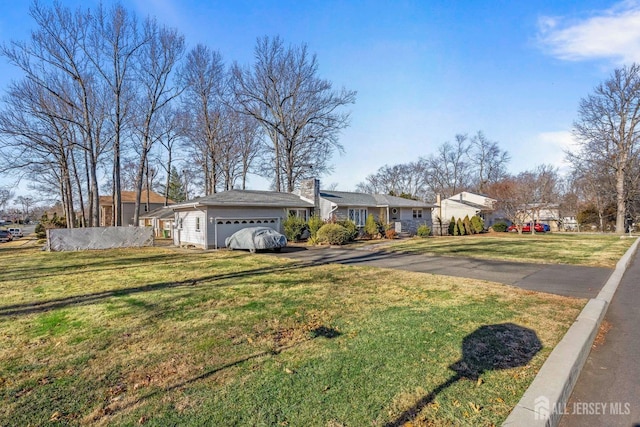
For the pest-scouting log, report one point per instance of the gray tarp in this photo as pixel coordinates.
(254, 238)
(77, 239)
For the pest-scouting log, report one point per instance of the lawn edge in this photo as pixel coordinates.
(550, 390)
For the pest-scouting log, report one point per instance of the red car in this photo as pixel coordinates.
(539, 228)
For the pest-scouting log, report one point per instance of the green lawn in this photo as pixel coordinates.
(599, 250)
(161, 337)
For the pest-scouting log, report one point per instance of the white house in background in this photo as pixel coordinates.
(458, 206)
(207, 221)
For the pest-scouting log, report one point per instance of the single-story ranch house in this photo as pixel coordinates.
(207, 221)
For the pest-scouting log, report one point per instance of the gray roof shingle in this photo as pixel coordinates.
(249, 198)
(345, 198)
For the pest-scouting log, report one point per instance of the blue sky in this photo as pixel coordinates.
(424, 70)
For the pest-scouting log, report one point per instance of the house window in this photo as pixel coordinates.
(299, 213)
(197, 223)
(417, 213)
(359, 216)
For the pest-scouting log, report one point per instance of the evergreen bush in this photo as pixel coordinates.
(500, 227)
(351, 228)
(459, 229)
(371, 228)
(452, 226)
(466, 223)
(424, 231)
(293, 228)
(314, 224)
(477, 224)
(333, 234)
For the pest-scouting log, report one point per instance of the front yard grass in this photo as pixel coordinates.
(597, 250)
(159, 336)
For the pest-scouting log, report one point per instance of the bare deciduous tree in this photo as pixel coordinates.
(607, 131)
(489, 161)
(300, 112)
(203, 77)
(158, 57)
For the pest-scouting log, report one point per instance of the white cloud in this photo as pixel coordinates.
(609, 34)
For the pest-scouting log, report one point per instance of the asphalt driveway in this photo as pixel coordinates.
(566, 280)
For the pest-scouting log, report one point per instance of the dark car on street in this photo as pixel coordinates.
(5, 236)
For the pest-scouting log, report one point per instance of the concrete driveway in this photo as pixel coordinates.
(566, 280)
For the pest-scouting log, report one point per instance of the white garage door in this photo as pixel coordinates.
(225, 227)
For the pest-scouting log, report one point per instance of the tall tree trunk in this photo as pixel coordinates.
(83, 216)
(620, 201)
(167, 182)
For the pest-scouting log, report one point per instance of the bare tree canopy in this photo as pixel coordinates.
(607, 134)
(300, 112)
(464, 165)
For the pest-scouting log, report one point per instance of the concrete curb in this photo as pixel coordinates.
(544, 401)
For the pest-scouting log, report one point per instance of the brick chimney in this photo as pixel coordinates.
(310, 191)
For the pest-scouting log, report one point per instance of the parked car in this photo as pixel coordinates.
(16, 232)
(526, 228)
(255, 238)
(5, 236)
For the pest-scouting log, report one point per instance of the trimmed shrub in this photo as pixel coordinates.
(351, 228)
(314, 224)
(466, 223)
(459, 230)
(500, 227)
(333, 234)
(477, 224)
(371, 227)
(452, 227)
(424, 231)
(293, 228)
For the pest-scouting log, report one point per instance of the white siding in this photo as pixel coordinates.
(187, 234)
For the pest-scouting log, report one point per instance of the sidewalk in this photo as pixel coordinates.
(608, 390)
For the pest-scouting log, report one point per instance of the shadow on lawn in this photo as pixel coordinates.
(488, 348)
(90, 298)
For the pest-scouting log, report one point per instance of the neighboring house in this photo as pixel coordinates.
(458, 206)
(161, 220)
(128, 206)
(207, 221)
(405, 214)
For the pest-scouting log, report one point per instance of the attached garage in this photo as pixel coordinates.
(225, 227)
(206, 222)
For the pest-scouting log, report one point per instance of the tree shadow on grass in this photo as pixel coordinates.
(488, 348)
(95, 297)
